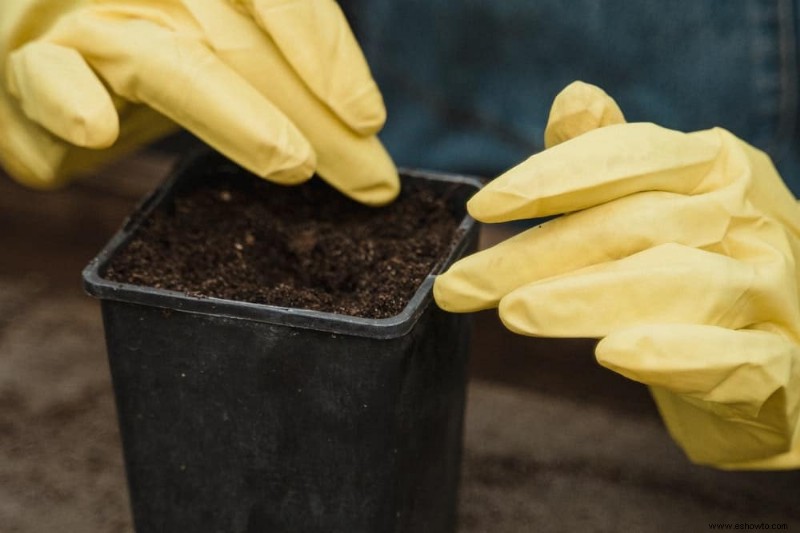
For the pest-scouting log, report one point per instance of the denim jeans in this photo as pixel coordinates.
(468, 84)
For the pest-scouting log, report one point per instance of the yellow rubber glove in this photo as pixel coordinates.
(282, 88)
(678, 250)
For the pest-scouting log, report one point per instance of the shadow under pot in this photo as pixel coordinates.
(277, 360)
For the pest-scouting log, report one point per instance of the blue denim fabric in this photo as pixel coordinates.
(468, 84)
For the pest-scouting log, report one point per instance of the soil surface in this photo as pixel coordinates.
(242, 238)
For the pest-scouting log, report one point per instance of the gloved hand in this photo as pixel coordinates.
(282, 88)
(679, 250)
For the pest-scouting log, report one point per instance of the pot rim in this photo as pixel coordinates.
(378, 328)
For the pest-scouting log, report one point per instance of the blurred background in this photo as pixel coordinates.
(553, 442)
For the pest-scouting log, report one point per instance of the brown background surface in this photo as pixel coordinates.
(553, 442)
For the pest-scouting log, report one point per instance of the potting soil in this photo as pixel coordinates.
(308, 246)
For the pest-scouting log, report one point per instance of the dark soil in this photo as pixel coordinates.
(245, 239)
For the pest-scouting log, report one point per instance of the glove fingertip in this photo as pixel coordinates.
(578, 108)
(381, 192)
(482, 207)
(637, 347)
(456, 292)
(610, 352)
(57, 90)
(518, 316)
(291, 176)
(442, 295)
(365, 114)
(296, 167)
(95, 128)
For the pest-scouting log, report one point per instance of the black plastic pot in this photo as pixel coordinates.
(238, 417)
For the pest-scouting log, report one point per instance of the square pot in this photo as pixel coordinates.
(242, 417)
